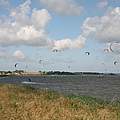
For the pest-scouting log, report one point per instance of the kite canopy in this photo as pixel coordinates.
(16, 65)
(87, 53)
(115, 62)
(56, 50)
(69, 67)
(106, 50)
(40, 61)
(115, 47)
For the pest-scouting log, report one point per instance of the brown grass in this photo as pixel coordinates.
(24, 103)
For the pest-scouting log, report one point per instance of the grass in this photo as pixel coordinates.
(26, 103)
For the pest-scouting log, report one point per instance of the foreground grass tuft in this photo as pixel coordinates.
(26, 103)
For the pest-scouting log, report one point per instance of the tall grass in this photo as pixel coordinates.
(26, 103)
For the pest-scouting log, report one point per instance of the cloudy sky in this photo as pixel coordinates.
(57, 34)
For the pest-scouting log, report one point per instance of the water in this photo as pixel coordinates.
(105, 87)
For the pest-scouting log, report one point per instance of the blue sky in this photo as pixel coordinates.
(31, 30)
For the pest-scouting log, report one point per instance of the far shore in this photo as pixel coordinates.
(52, 73)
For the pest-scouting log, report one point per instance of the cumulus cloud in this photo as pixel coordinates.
(24, 26)
(63, 7)
(102, 3)
(68, 43)
(105, 28)
(18, 55)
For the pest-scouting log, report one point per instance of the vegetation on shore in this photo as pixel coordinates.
(26, 103)
(22, 72)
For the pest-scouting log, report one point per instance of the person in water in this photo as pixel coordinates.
(30, 80)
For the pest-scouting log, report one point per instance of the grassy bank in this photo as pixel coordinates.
(25, 103)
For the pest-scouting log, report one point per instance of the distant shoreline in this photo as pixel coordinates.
(52, 73)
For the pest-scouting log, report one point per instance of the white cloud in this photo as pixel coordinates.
(69, 43)
(18, 55)
(63, 7)
(102, 3)
(24, 26)
(104, 29)
(40, 18)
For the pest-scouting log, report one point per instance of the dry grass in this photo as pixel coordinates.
(25, 103)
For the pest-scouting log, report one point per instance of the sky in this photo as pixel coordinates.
(51, 35)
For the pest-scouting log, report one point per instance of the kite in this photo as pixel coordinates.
(55, 50)
(106, 50)
(87, 53)
(40, 61)
(115, 62)
(16, 65)
(69, 67)
(115, 47)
